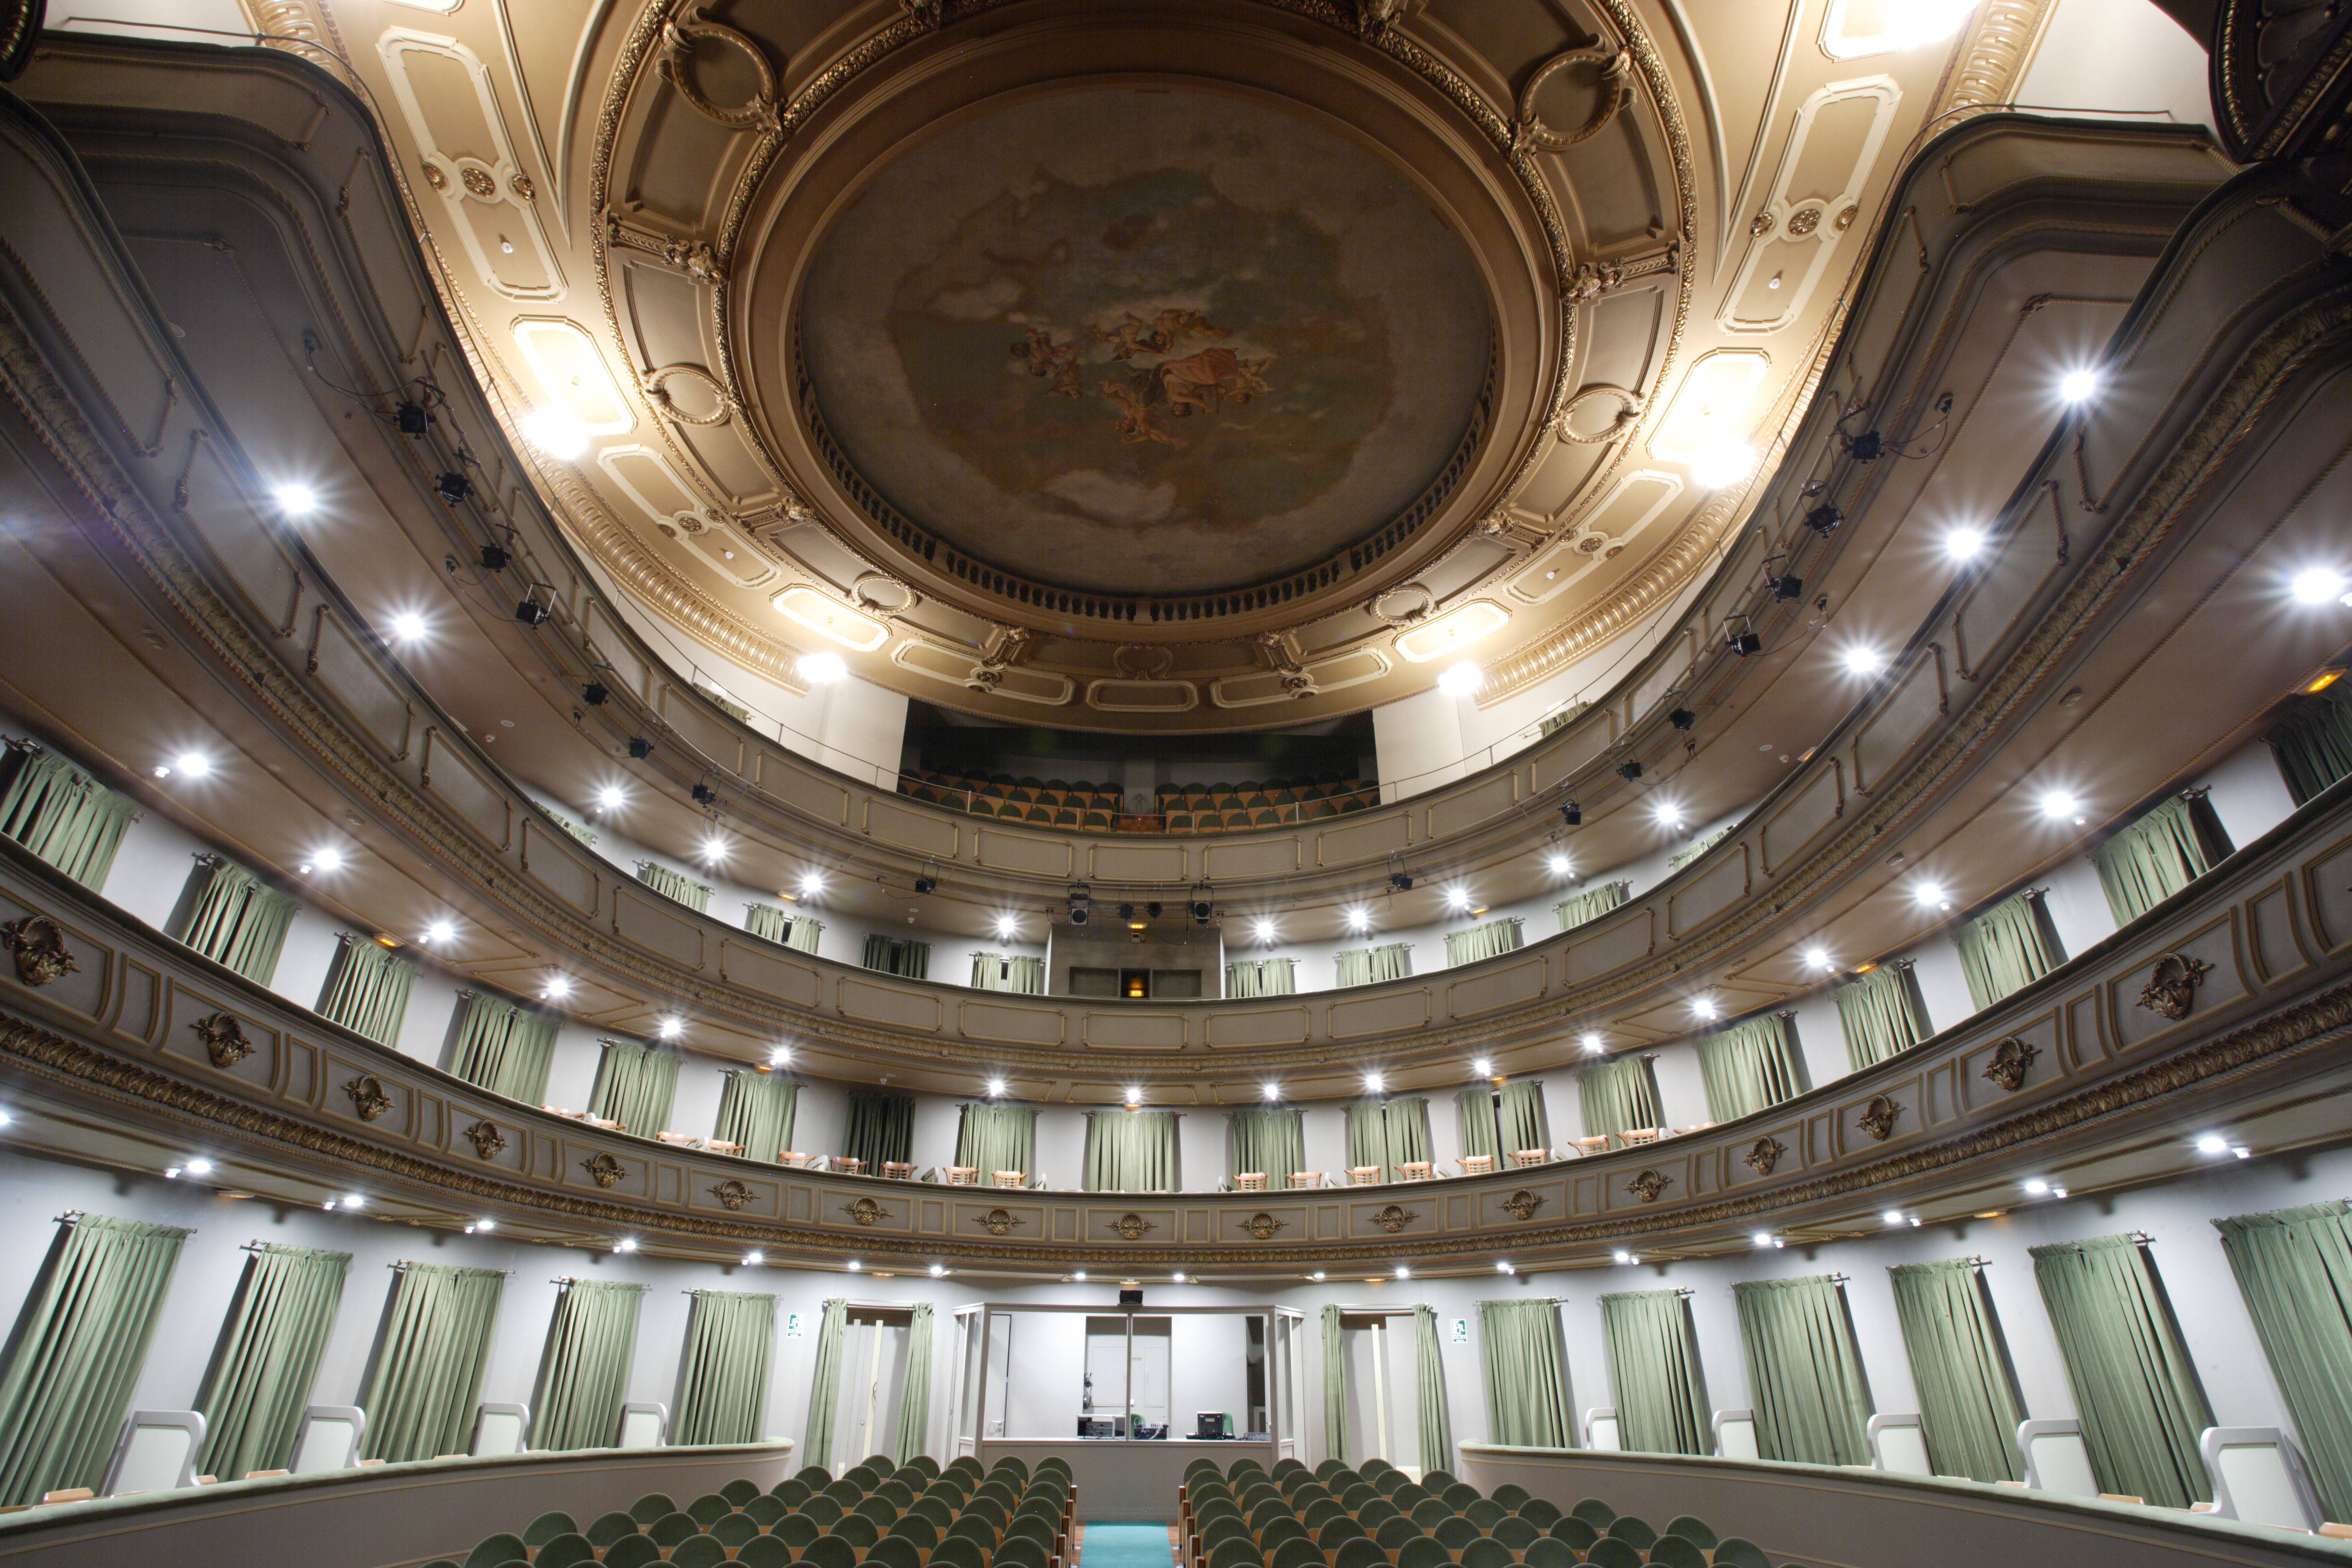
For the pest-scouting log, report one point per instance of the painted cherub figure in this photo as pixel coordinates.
(1057, 362)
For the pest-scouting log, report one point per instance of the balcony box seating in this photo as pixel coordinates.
(1590, 1146)
(848, 1166)
(1009, 1178)
(1302, 1179)
(1476, 1164)
(963, 1175)
(1250, 1182)
(1363, 1175)
(1526, 1159)
(899, 1170)
(1414, 1170)
(796, 1160)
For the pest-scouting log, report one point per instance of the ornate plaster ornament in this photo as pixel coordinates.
(39, 948)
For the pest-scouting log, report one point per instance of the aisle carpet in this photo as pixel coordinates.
(1106, 1545)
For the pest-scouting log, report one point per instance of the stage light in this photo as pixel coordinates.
(2078, 385)
(1628, 772)
(927, 885)
(454, 486)
(1681, 719)
(530, 611)
(556, 433)
(2317, 584)
(1722, 465)
(1081, 905)
(1461, 680)
(495, 558)
(1824, 518)
(1400, 881)
(822, 668)
(594, 693)
(297, 500)
(1787, 587)
(1964, 544)
(640, 748)
(704, 794)
(410, 419)
(1572, 814)
(407, 625)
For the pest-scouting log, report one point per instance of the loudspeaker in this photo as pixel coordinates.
(1130, 1298)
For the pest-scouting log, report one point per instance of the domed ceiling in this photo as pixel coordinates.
(1145, 341)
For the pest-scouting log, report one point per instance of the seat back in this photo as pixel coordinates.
(2258, 1477)
(1898, 1445)
(330, 1438)
(1735, 1435)
(156, 1452)
(1601, 1427)
(2055, 1457)
(500, 1429)
(643, 1427)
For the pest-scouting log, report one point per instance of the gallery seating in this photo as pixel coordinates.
(1088, 807)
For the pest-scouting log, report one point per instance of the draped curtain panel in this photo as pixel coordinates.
(1242, 978)
(583, 1371)
(1969, 1402)
(767, 923)
(262, 1369)
(1481, 942)
(1405, 1133)
(2136, 1391)
(2008, 947)
(880, 1131)
(1750, 1066)
(1591, 905)
(1355, 966)
(804, 933)
(367, 989)
(2157, 855)
(722, 1378)
(991, 972)
(1437, 1422)
(915, 1391)
(1653, 1368)
(61, 814)
(1027, 976)
(906, 958)
(1394, 962)
(77, 1350)
(1804, 1375)
(1527, 1378)
(677, 885)
(232, 919)
(577, 830)
(755, 1110)
(1335, 1386)
(2313, 741)
(992, 1138)
(1618, 1097)
(1129, 1152)
(1883, 1014)
(2294, 1269)
(1270, 1139)
(634, 1087)
(1474, 1118)
(1277, 976)
(504, 1048)
(1524, 1121)
(430, 1353)
(1696, 847)
(825, 1383)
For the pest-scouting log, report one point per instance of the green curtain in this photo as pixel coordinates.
(767, 923)
(1278, 977)
(634, 1087)
(62, 814)
(1355, 966)
(2313, 741)
(1271, 1138)
(880, 1131)
(906, 958)
(258, 1383)
(2008, 947)
(1481, 942)
(802, 936)
(2158, 854)
(915, 1391)
(1368, 1138)
(825, 1383)
(2136, 1389)
(1388, 1133)
(1027, 976)
(1655, 1372)
(1696, 847)
(1243, 978)
(2295, 1270)
(1527, 1382)
(992, 1138)
(1750, 1066)
(1804, 1375)
(77, 1350)
(1618, 1097)
(367, 989)
(504, 1048)
(1128, 1152)
(232, 919)
(430, 1353)
(1591, 905)
(991, 972)
(676, 884)
(723, 1386)
(577, 830)
(1969, 1401)
(1522, 1121)
(1883, 1014)
(1394, 962)
(1429, 1386)
(1335, 1386)
(584, 1372)
(755, 1110)
(1474, 1117)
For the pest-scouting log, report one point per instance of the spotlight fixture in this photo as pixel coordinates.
(1081, 904)
(454, 486)
(927, 884)
(1742, 641)
(495, 558)
(1866, 447)
(1400, 881)
(1153, 909)
(534, 611)
(1204, 904)
(705, 795)
(1788, 587)
(594, 693)
(410, 419)
(1681, 719)
(1824, 518)
(1572, 814)
(1127, 912)
(1628, 772)
(640, 748)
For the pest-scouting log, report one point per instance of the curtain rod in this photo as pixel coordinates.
(75, 1217)
(575, 1279)
(405, 1263)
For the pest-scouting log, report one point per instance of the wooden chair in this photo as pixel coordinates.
(1588, 1147)
(1526, 1159)
(1363, 1175)
(719, 1146)
(798, 1161)
(1637, 1135)
(1250, 1182)
(1300, 1180)
(899, 1170)
(1694, 1126)
(1009, 1178)
(963, 1175)
(680, 1137)
(1412, 1169)
(848, 1166)
(1476, 1164)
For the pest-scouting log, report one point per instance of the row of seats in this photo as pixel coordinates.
(1176, 808)
(1376, 1516)
(878, 1513)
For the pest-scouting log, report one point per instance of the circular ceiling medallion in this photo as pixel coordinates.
(1145, 340)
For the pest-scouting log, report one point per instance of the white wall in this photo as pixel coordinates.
(2122, 57)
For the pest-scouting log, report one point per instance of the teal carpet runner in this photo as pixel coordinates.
(1126, 1546)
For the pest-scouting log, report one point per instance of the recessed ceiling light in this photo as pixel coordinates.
(1669, 814)
(753, 1259)
(198, 1167)
(780, 1056)
(1724, 464)
(1864, 660)
(1502, 1267)
(1817, 958)
(328, 859)
(938, 1269)
(1079, 1275)
(2037, 1187)
(1402, 1272)
(1933, 895)
(297, 500)
(195, 764)
(1265, 931)
(1373, 1082)
(2318, 584)
(612, 798)
(1622, 1256)
(1007, 927)
(1359, 920)
(1593, 1044)
(2078, 385)
(439, 931)
(1134, 1095)
(626, 1244)
(812, 884)
(1560, 865)
(995, 1086)
(2212, 1144)
(1964, 544)
(556, 433)
(408, 626)
(671, 1028)
(1763, 1238)
(1457, 898)
(1704, 1009)
(1274, 1091)
(714, 849)
(1176, 1277)
(1893, 1216)
(1317, 1275)
(2058, 803)
(354, 1201)
(1483, 1068)
(559, 986)
(1461, 681)
(854, 1266)
(822, 668)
